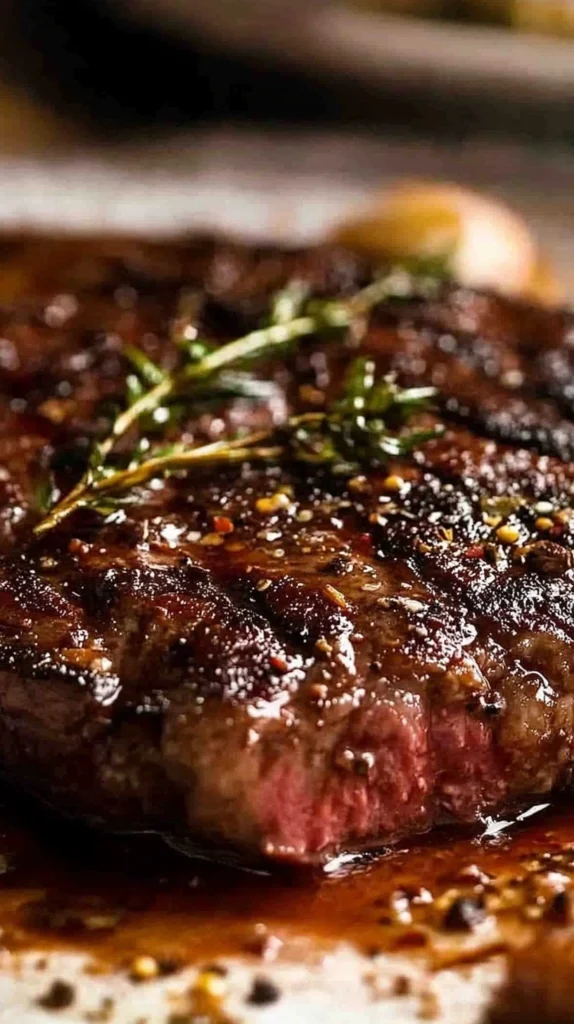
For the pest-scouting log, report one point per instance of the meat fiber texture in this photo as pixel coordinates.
(375, 656)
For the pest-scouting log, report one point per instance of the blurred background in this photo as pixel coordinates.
(283, 118)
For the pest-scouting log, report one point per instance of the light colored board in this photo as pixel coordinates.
(342, 988)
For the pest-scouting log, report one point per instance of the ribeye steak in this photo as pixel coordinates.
(370, 657)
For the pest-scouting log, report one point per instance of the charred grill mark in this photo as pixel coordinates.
(514, 422)
(494, 382)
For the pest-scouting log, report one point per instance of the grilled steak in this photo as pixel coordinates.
(356, 661)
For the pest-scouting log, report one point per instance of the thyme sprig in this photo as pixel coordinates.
(342, 439)
(355, 430)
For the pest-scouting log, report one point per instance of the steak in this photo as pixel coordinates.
(350, 663)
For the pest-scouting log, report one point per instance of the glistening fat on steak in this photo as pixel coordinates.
(353, 662)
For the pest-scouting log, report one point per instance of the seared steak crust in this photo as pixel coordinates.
(375, 656)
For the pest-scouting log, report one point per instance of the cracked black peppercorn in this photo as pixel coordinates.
(560, 909)
(464, 914)
(263, 992)
(59, 996)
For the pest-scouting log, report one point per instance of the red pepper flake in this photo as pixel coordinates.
(278, 663)
(223, 525)
(365, 541)
(475, 551)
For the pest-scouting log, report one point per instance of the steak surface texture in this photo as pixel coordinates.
(369, 658)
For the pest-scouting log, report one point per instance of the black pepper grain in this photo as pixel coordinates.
(59, 996)
(560, 909)
(263, 992)
(465, 914)
(338, 566)
(167, 967)
(402, 986)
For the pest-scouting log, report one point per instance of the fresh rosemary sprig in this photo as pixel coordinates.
(355, 431)
(342, 439)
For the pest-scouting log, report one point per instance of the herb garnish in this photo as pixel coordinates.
(355, 430)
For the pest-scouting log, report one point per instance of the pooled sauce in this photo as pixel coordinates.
(117, 898)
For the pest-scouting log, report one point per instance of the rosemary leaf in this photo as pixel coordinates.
(148, 371)
(196, 349)
(288, 303)
(134, 388)
(44, 493)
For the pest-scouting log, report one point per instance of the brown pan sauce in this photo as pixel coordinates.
(460, 894)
